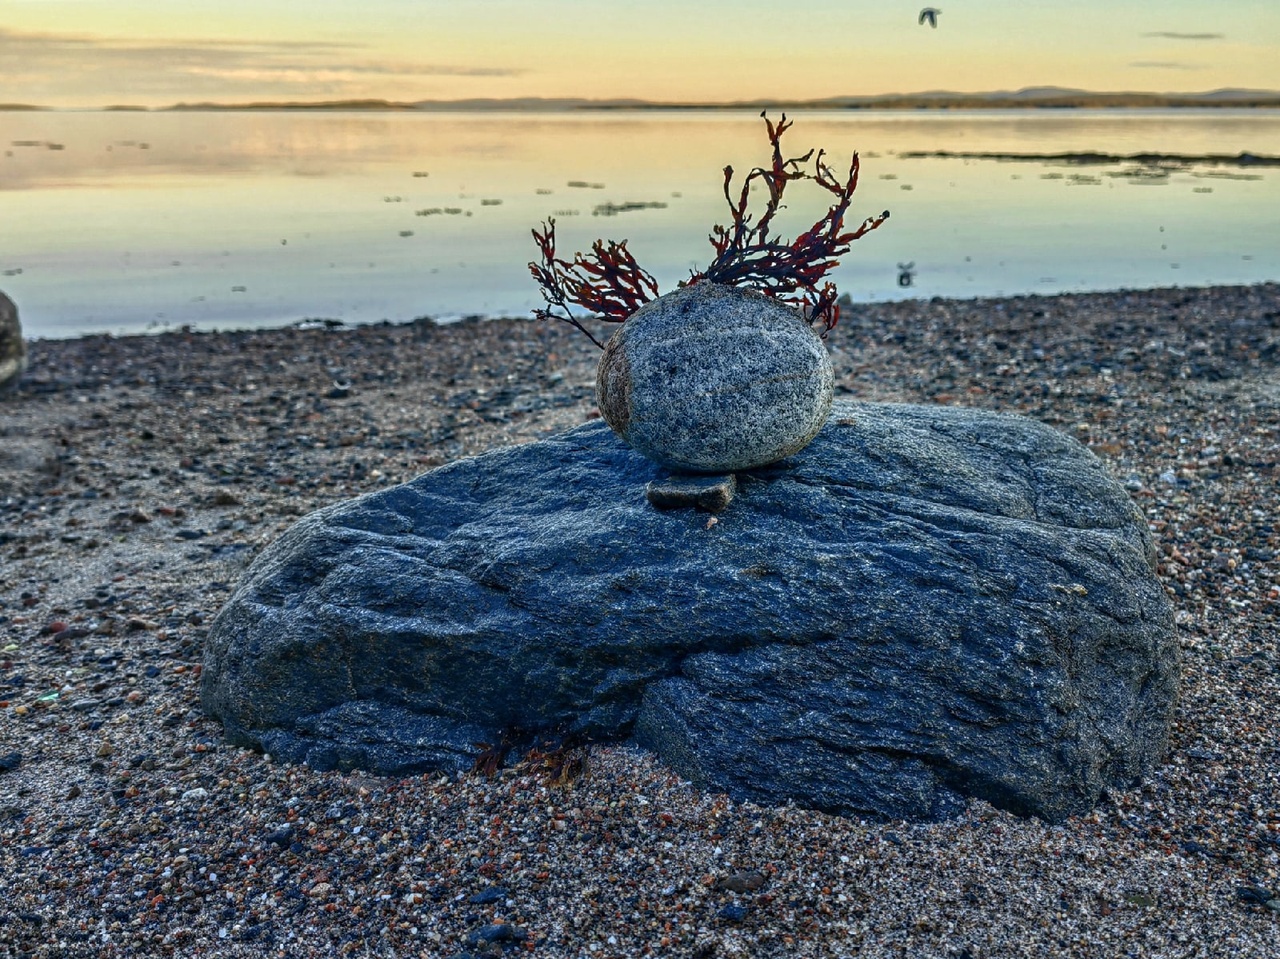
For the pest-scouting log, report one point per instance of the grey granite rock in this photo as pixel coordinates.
(13, 351)
(714, 379)
(927, 605)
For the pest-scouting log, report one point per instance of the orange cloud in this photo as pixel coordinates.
(56, 66)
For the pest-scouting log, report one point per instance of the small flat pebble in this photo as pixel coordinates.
(710, 493)
(498, 932)
(742, 882)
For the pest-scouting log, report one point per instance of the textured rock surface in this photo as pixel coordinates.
(714, 379)
(931, 604)
(13, 352)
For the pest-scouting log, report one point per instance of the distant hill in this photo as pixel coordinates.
(1232, 93)
(1054, 98)
(529, 104)
(533, 104)
(342, 105)
(1027, 98)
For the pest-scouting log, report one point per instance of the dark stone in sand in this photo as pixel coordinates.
(923, 605)
(497, 932)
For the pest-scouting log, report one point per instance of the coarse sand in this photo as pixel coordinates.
(139, 475)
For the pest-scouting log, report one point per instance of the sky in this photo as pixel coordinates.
(91, 53)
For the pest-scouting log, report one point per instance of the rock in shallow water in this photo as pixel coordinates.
(13, 351)
(714, 379)
(928, 605)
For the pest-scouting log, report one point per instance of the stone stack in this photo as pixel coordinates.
(924, 605)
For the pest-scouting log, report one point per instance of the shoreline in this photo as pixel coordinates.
(849, 306)
(140, 474)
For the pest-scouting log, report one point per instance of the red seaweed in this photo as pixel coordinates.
(609, 282)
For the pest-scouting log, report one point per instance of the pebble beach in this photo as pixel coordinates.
(140, 475)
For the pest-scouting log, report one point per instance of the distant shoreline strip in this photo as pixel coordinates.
(1023, 100)
(1099, 159)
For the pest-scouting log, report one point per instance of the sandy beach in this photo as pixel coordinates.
(140, 475)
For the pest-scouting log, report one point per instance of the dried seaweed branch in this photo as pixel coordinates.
(746, 254)
(609, 283)
(612, 285)
(559, 757)
(491, 758)
(559, 762)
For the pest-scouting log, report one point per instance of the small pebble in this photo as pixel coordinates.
(499, 932)
(742, 882)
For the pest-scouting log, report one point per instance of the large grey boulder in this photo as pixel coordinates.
(13, 351)
(714, 379)
(925, 604)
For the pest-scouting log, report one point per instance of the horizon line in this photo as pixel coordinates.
(1022, 97)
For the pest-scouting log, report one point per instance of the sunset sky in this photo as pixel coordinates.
(76, 53)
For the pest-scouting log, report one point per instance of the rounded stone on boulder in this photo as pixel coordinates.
(13, 352)
(714, 379)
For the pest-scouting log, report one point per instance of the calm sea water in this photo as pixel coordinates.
(133, 221)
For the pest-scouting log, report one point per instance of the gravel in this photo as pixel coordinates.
(139, 475)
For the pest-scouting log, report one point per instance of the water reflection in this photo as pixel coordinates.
(225, 219)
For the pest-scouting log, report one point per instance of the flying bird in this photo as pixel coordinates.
(929, 15)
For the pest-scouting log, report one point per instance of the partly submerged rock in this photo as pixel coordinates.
(929, 605)
(714, 379)
(13, 351)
